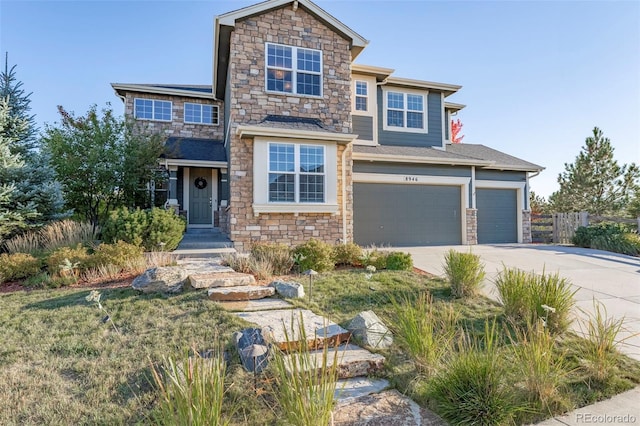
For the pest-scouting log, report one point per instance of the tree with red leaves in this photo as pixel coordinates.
(456, 127)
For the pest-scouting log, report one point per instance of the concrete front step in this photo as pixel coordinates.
(389, 408)
(249, 292)
(227, 278)
(353, 361)
(282, 327)
(267, 304)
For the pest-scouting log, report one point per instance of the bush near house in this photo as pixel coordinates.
(154, 229)
(608, 236)
(314, 254)
(17, 266)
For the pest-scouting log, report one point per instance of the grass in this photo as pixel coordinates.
(61, 364)
(465, 272)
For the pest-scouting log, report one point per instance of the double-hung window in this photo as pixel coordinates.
(152, 109)
(201, 113)
(361, 95)
(296, 173)
(405, 112)
(293, 70)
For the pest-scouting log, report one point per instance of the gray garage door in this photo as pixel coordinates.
(497, 216)
(405, 215)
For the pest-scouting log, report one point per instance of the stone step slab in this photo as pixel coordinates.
(349, 389)
(282, 328)
(353, 361)
(248, 292)
(389, 408)
(221, 279)
(267, 304)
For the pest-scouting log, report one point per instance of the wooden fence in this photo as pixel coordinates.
(559, 228)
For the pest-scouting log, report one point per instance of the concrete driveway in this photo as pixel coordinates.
(609, 278)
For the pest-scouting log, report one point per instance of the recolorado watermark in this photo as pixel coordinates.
(605, 418)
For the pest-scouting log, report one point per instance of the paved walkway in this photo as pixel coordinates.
(609, 278)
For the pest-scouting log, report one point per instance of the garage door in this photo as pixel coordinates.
(406, 215)
(497, 216)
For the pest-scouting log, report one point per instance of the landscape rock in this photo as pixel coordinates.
(350, 389)
(253, 350)
(220, 279)
(165, 279)
(388, 408)
(368, 329)
(268, 304)
(290, 290)
(240, 293)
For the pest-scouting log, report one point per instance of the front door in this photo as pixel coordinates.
(201, 189)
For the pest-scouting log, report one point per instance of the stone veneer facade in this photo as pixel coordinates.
(526, 227)
(177, 127)
(250, 103)
(472, 227)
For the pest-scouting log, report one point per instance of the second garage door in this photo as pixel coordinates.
(497, 216)
(406, 215)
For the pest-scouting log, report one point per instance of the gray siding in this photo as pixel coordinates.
(447, 119)
(434, 114)
(497, 216)
(363, 127)
(180, 188)
(411, 169)
(499, 175)
(406, 215)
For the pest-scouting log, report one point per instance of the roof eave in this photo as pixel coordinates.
(120, 88)
(418, 159)
(504, 167)
(447, 89)
(253, 131)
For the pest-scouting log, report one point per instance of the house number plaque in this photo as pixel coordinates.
(410, 179)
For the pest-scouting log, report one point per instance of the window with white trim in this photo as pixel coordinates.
(152, 109)
(405, 112)
(293, 70)
(361, 95)
(296, 173)
(201, 113)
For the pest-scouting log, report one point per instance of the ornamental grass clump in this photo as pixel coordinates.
(424, 329)
(472, 388)
(192, 390)
(304, 383)
(465, 273)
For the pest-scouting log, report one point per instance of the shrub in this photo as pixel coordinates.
(67, 261)
(426, 332)
(277, 255)
(121, 254)
(628, 243)
(585, 235)
(39, 280)
(472, 389)
(398, 261)
(465, 273)
(155, 229)
(192, 390)
(528, 298)
(238, 262)
(376, 258)
(18, 265)
(347, 254)
(314, 254)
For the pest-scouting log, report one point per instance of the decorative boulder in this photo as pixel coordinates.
(370, 330)
(290, 290)
(168, 279)
(252, 348)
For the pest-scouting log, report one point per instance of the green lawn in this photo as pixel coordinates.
(61, 364)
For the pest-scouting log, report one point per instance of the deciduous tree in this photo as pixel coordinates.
(456, 127)
(101, 160)
(595, 182)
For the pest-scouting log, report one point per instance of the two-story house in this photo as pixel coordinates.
(293, 140)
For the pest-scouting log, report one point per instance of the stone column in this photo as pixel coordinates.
(472, 227)
(526, 227)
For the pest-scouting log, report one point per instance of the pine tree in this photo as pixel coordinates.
(595, 182)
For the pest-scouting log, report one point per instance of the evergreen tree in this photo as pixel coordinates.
(35, 183)
(13, 216)
(595, 182)
(537, 203)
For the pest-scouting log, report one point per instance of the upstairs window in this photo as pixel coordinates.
(201, 114)
(296, 173)
(151, 109)
(361, 95)
(405, 112)
(294, 70)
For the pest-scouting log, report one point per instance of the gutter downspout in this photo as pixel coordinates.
(344, 195)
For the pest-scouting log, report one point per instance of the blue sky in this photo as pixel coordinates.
(536, 76)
